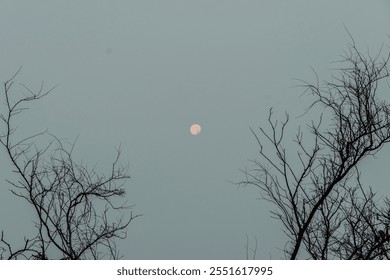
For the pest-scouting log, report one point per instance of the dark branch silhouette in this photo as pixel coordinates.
(79, 213)
(325, 211)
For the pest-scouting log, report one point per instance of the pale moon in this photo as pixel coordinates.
(195, 129)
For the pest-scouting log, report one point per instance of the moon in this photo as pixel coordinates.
(195, 129)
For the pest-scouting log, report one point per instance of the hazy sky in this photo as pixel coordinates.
(139, 73)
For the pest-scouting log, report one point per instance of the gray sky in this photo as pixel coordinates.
(139, 73)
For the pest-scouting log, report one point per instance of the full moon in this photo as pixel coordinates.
(195, 129)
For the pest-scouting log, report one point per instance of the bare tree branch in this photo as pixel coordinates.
(78, 211)
(320, 212)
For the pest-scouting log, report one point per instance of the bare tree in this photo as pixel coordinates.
(325, 211)
(79, 213)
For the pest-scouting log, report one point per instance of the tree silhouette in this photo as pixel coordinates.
(79, 213)
(325, 211)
